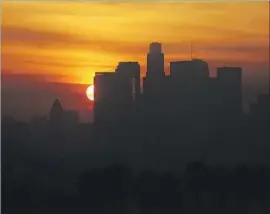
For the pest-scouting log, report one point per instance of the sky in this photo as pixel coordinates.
(53, 49)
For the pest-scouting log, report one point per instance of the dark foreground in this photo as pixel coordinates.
(117, 189)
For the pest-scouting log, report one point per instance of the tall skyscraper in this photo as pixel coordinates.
(154, 81)
(116, 92)
(128, 89)
(230, 84)
(189, 81)
(56, 113)
(192, 70)
(155, 61)
(128, 78)
(261, 109)
(104, 96)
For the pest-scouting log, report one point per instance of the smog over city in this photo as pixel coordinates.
(135, 107)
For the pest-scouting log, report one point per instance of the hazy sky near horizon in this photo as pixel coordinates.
(67, 42)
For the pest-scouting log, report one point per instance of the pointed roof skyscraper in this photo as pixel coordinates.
(56, 112)
(56, 106)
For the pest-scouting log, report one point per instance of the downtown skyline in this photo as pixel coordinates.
(50, 42)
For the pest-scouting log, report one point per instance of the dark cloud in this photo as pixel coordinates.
(25, 34)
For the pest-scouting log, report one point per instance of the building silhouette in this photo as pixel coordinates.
(190, 70)
(186, 105)
(56, 116)
(230, 88)
(128, 81)
(128, 89)
(189, 92)
(154, 80)
(105, 96)
(260, 110)
(155, 61)
(117, 93)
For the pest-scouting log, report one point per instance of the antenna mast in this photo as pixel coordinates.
(191, 50)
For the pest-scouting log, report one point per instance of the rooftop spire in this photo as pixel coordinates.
(191, 50)
(56, 106)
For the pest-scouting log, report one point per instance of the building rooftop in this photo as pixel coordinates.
(104, 73)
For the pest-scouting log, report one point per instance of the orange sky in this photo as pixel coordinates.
(67, 42)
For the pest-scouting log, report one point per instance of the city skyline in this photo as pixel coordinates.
(70, 50)
(135, 107)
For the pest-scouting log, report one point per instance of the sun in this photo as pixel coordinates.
(90, 92)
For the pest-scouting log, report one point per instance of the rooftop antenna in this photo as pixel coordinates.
(191, 50)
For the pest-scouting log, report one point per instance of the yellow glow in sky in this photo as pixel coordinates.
(70, 41)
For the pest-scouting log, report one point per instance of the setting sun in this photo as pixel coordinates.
(90, 92)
